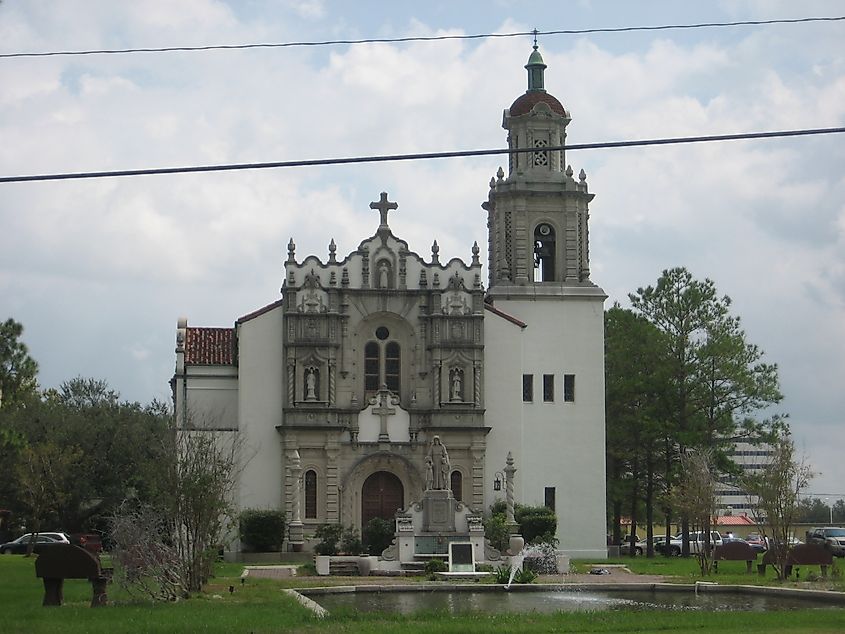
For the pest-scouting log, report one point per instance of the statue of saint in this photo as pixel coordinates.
(383, 275)
(456, 385)
(311, 385)
(440, 467)
(429, 474)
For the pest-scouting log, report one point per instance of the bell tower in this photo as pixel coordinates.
(538, 215)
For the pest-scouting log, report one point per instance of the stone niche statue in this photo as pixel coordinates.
(440, 467)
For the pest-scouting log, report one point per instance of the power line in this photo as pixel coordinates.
(413, 157)
(422, 38)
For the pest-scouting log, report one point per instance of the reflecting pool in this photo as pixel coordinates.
(405, 602)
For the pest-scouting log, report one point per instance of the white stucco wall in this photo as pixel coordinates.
(260, 409)
(555, 444)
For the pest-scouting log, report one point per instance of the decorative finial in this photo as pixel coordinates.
(569, 171)
(475, 252)
(435, 250)
(500, 173)
(582, 176)
(492, 182)
(291, 251)
(332, 251)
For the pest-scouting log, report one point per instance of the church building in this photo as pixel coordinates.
(339, 387)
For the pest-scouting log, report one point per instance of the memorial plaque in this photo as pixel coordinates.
(461, 557)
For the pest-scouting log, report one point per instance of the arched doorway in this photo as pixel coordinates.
(381, 496)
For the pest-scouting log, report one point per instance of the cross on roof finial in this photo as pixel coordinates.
(383, 207)
(535, 37)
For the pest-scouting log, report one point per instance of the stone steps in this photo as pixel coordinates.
(344, 568)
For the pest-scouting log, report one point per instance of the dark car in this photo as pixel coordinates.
(20, 545)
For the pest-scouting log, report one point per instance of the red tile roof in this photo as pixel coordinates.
(735, 520)
(209, 346)
(525, 103)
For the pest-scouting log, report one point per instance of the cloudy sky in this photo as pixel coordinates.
(98, 271)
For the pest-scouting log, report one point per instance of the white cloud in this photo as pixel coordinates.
(111, 259)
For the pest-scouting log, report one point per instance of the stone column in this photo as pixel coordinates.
(332, 484)
(510, 470)
(297, 538)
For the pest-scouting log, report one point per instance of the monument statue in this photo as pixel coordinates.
(439, 458)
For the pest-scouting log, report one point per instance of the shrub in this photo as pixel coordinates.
(503, 574)
(329, 535)
(496, 531)
(536, 523)
(435, 565)
(378, 535)
(350, 542)
(262, 530)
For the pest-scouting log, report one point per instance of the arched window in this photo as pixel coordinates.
(544, 253)
(310, 494)
(382, 363)
(456, 483)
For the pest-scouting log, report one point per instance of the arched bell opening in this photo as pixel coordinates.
(544, 253)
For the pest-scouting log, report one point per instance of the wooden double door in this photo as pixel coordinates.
(381, 496)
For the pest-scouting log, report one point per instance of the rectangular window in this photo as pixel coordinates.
(548, 388)
(569, 388)
(549, 498)
(527, 388)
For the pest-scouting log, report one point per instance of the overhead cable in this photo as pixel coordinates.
(422, 38)
(413, 157)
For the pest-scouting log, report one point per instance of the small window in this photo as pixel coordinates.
(527, 388)
(569, 388)
(456, 483)
(310, 495)
(548, 388)
(549, 498)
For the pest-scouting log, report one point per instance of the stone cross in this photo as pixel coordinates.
(383, 411)
(383, 207)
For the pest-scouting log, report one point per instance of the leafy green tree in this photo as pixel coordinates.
(18, 371)
(813, 511)
(119, 443)
(716, 380)
(635, 381)
(45, 475)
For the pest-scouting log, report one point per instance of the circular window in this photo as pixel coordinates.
(545, 230)
(382, 333)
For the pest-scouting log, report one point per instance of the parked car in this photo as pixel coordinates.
(831, 537)
(21, 544)
(641, 546)
(696, 542)
(756, 541)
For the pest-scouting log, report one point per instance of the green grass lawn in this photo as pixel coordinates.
(259, 606)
